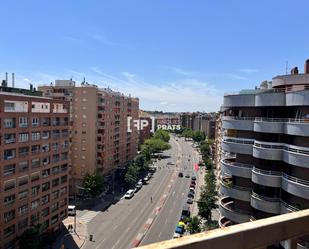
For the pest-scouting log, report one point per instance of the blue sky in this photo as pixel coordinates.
(175, 55)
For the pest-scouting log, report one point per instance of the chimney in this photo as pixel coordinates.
(13, 80)
(307, 66)
(6, 78)
(294, 70)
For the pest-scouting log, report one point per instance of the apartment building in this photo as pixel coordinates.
(100, 140)
(34, 158)
(265, 165)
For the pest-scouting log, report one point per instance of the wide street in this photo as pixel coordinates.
(120, 225)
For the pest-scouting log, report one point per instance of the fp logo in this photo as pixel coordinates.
(140, 124)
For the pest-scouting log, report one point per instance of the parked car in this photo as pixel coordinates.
(145, 180)
(129, 194)
(170, 163)
(177, 235)
(71, 210)
(190, 201)
(185, 211)
(187, 176)
(190, 195)
(192, 186)
(193, 178)
(180, 174)
(138, 185)
(192, 189)
(193, 182)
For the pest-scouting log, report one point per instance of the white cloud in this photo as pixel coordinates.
(234, 76)
(248, 70)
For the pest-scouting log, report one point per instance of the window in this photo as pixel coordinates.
(9, 154)
(35, 204)
(35, 163)
(23, 166)
(9, 231)
(8, 216)
(35, 136)
(23, 137)
(45, 147)
(9, 106)
(35, 122)
(45, 186)
(55, 195)
(22, 180)
(45, 134)
(63, 191)
(9, 122)
(23, 195)
(35, 190)
(54, 207)
(23, 122)
(23, 151)
(9, 138)
(9, 169)
(8, 185)
(35, 176)
(45, 212)
(54, 219)
(45, 199)
(23, 224)
(55, 182)
(23, 209)
(8, 200)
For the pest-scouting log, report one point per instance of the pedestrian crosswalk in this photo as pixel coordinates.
(88, 216)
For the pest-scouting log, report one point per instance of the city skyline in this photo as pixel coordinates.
(174, 56)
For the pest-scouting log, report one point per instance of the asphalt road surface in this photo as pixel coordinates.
(117, 227)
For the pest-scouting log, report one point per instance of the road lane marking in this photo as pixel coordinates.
(116, 244)
(160, 234)
(99, 245)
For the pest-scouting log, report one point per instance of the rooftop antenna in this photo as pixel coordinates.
(13, 80)
(286, 67)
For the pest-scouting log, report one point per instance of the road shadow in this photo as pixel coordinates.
(64, 238)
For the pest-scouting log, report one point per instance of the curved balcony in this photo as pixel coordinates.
(224, 222)
(236, 192)
(298, 98)
(239, 99)
(237, 145)
(269, 125)
(226, 207)
(237, 123)
(289, 79)
(287, 208)
(266, 204)
(266, 150)
(295, 186)
(231, 167)
(266, 177)
(296, 155)
(270, 97)
(297, 127)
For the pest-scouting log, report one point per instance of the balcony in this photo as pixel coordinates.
(239, 99)
(224, 222)
(266, 204)
(237, 145)
(250, 235)
(226, 207)
(236, 192)
(295, 186)
(297, 127)
(296, 155)
(231, 167)
(287, 208)
(270, 97)
(266, 177)
(269, 125)
(237, 123)
(298, 98)
(266, 150)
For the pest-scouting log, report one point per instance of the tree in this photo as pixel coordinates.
(198, 136)
(194, 225)
(31, 238)
(187, 133)
(131, 175)
(208, 197)
(93, 184)
(155, 145)
(163, 135)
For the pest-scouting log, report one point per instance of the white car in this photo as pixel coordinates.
(129, 194)
(176, 235)
(71, 210)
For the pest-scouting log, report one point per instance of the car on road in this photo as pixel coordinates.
(185, 212)
(149, 175)
(71, 210)
(190, 201)
(192, 189)
(187, 176)
(138, 186)
(192, 186)
(193, 178)
(152, 169)
(190, 195)
(193, 182)
(129, 194)
(180, 174)
(145, 180)
(170, 163)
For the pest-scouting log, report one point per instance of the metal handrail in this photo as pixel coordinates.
(265, 198)
(267, 172)
(242, 165)
(235, 186)
(269, 145)
(228, 204)
(265, 119)
(294, 209)
(238, 140)
(288, 148)
(295, 179)
(237, 118)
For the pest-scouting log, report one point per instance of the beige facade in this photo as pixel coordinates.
(100, 140)
(34, 159)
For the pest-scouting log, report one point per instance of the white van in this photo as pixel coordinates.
(71, 210)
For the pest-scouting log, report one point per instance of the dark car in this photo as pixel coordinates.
(193, 182)
(190, 201)
(190, 195)
(187, 176)
(185, 211)
(180, 174)
(193, 178)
